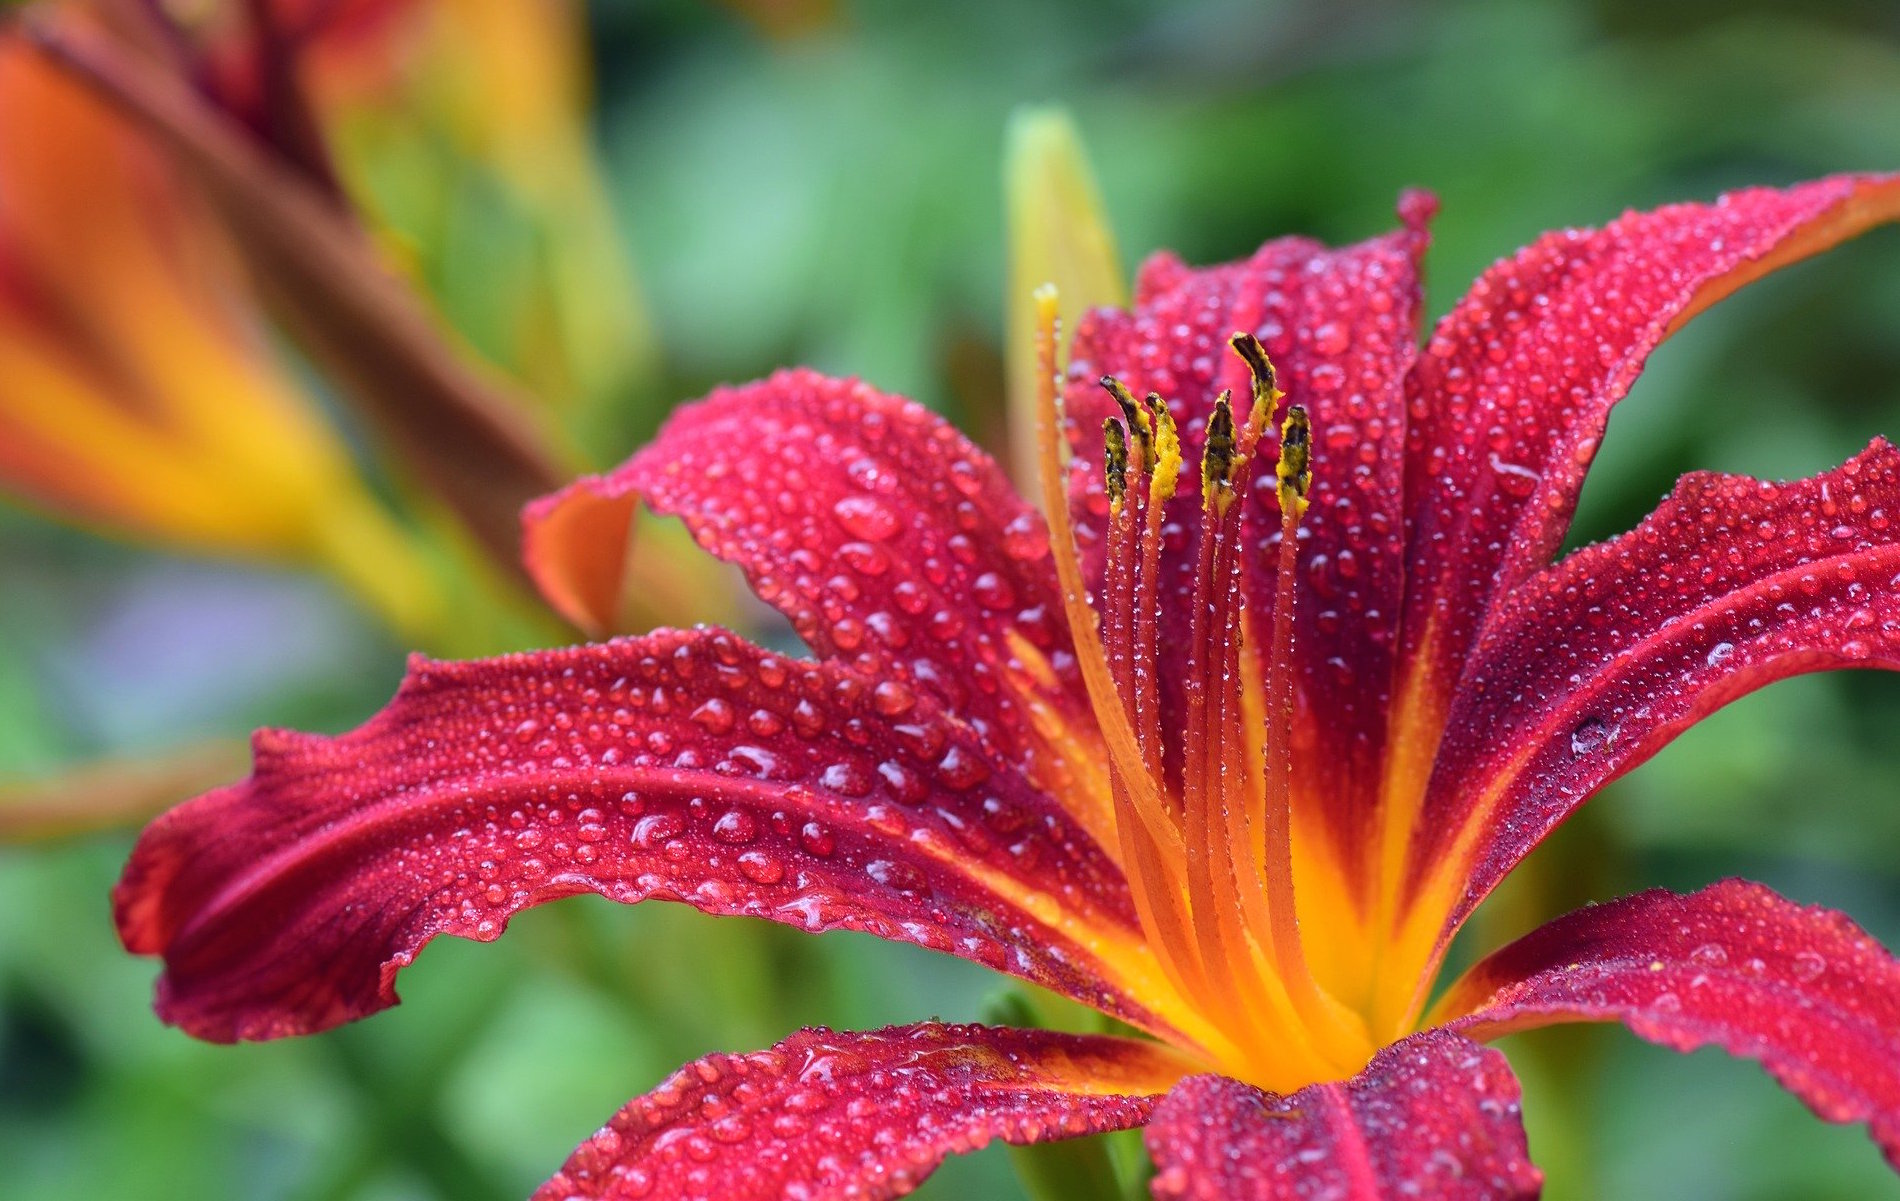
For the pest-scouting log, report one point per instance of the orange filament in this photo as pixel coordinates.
(1205, 837)
(1150, 839)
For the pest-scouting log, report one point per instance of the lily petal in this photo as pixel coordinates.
(686, 766)
(1514, 389)
(1433, 1116)
(890, 541)
(1731, 584)
(1799, 988)
(866, 1116)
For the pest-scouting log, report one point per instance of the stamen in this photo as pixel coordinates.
(1199, 771)
(1330, 1022)
(1295, 477)
(1167, 450)
(1227, 904)
(1218, 458)
(1164, 471)
(1295, 469)
(1215, 905)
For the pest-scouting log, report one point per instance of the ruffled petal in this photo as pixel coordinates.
(1799, 988)
(1731, 584)
(1512, 394)
(868, 1116)
(890, 541)
(1341, 327)
(1433, 1116)
(682, 766)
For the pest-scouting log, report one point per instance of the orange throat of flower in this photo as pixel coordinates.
(1204, 826)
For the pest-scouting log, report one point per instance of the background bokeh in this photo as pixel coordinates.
(833, 198)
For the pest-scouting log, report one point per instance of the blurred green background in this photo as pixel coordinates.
(833, 199)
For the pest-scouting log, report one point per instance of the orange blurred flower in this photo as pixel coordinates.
(140, 392)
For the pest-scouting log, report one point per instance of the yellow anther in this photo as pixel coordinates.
(1219, 458)
(1295, 470)
(1138, 422)
(1167, 462)
(1266, 391)
(1115, 465)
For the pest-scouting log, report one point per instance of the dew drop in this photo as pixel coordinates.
(1514, 478)
(900, 876)
(761, 868)
(845, 779)
(893, 698)
(866, 517)
(736, 827)
(1591, 734)
(653, 830)
(816, 839)
(959, 769)
(714, 716)
(993, 592)
(1331, 338)
(1026, 537)
(865, 558)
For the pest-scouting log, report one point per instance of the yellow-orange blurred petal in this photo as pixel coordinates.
(459, 428)
(137, 391)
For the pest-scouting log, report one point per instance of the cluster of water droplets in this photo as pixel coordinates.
(1434, 1116)
(1599, 657)
(826, 1115)
(693, 766)
(889, 540)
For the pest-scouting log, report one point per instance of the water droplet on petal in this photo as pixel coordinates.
(1591, 734)
(992, 591)
(816, 839)
(714, 716)
(866, 517)
(736, 827)
(761, 868)
(1331, 338)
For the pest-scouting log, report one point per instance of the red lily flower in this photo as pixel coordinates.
(1227, 754)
